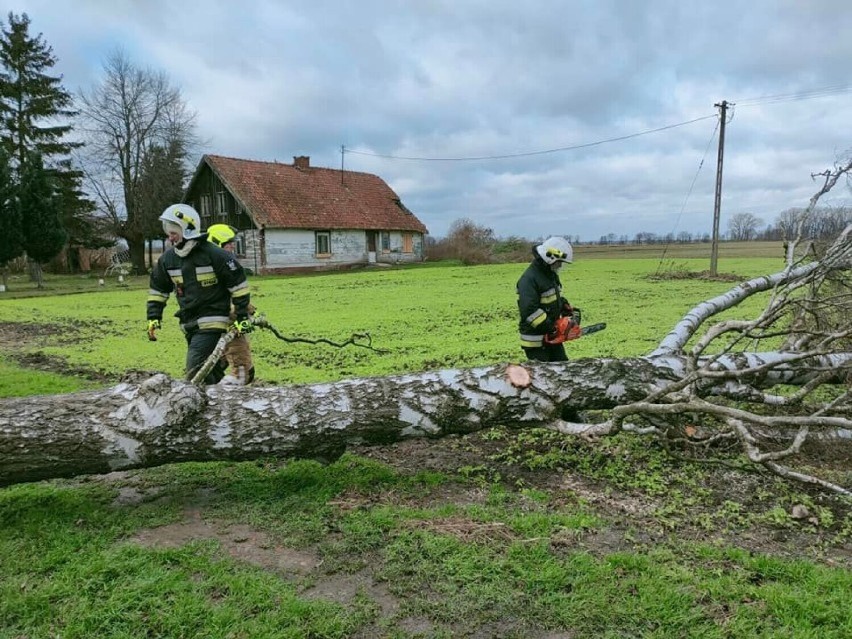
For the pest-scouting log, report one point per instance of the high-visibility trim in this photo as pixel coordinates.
(537, 318)
(205, 276)
(176, 275)
(239, 290)
(549, 296)
(213, 321)
(157, 296)
(531, 341)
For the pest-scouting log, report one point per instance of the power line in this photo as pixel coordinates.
(530, 153)
(795, 97)
(757, 101)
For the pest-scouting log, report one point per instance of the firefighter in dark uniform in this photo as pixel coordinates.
(206, 280)
(540, 301)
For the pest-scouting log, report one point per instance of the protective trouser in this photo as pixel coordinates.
(200, 344)
(547, 353)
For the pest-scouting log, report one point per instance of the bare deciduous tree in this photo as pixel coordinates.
(742, 227)
(130, 114)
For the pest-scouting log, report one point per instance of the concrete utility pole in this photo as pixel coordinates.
(714, 250)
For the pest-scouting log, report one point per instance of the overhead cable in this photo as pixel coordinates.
(530, 153)
(794, 97)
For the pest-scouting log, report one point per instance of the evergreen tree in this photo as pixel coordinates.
(29, 96)
(86, 230)
(40, 207)
(34, 111)
(11, 232)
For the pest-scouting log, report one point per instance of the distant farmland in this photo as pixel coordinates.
(686, 251)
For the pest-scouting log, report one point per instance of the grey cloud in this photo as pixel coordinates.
(439, 78)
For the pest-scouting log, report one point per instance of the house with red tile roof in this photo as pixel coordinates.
(299, 217)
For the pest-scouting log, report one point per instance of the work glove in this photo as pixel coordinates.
(242, 326)
(153, 326)
(577, 315)
(570, 311)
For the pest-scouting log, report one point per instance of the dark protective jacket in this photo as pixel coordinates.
(206, 282)
(540, 302)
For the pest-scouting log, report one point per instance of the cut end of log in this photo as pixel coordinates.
(518, 376)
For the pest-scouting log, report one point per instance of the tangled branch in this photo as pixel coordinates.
(722, 395)
(364, 340)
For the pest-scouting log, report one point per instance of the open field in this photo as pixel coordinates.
(698, 251)
(498, 534)
(428, 317)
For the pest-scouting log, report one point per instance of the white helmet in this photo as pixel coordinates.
(555, 249)
(184, 216)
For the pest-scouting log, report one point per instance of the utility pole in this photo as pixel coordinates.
(342, 154)
(717, 205)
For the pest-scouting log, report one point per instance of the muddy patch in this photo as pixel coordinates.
(239, 541)
(21, 341)
(14, 335)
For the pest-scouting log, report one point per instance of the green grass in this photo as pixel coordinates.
(18, 382)
(428, 318)
(68, 566)
(511, 537)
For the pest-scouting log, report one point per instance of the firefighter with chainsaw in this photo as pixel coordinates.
(547, 319)
(238, 351)
(206, 281)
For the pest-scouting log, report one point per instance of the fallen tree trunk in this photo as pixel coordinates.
(163, 420)
(696, 387)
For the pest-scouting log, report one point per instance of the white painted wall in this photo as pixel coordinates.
(296, 248)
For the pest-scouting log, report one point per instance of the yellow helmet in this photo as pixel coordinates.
(221, 234)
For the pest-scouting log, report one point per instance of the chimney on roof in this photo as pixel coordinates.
(302, 161)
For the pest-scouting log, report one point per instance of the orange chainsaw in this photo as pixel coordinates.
(568, 328)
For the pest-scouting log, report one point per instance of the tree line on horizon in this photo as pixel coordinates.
(473, 243)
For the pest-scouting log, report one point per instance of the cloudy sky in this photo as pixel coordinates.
(577, 117)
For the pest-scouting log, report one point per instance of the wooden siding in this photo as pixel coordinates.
(207, 186)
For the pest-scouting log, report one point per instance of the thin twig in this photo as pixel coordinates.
(364, 340)
(261, 322)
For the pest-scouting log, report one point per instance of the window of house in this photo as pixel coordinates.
(221, 204)
(323, 242)
(205, 206)
(240, 245)
(407, 243)
(385, 241)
